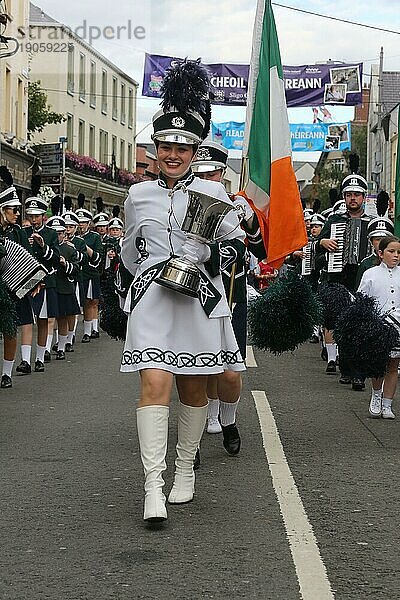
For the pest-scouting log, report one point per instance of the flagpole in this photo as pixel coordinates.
(397, 185)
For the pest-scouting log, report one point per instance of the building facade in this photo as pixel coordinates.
(96, 97)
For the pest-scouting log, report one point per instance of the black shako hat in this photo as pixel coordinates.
(185, 115)
(380, 227)
(210, 156)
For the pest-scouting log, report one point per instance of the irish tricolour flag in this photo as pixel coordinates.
(269, 179)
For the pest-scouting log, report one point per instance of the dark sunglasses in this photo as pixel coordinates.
(15, 209)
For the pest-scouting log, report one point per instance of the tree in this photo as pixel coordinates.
(39, 112)
(359, 145)
(328, 176)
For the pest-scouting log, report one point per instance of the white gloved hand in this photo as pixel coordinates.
(244, 210)
(196, 251)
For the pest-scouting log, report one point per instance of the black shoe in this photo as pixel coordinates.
(69, 348)
(60, 355)
(231, 439)
(95, 335)
(73, 339)
(345, 380)
(86, 339)
(24, 368)
(331, 367)
(314, 339)
(39, 366)
(358, 385)
(47, 357)
(196, 462)
(324, 354)
(6, 381)
(55, 347)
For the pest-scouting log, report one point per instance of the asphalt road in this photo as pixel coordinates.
(71, 491)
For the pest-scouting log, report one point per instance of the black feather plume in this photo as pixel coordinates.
(36, 182)
(116, 210)
(6, 176)
(382, 203)
(55, 205)
(316, 206)
(186, 87)
(333, 196)
(354, 162)
(81, 200)
(99, 204)
(67, 202)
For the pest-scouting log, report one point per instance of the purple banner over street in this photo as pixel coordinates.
(312, 85)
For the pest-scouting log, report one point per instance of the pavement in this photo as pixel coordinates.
(308, 510)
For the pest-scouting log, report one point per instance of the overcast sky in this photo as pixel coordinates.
(221, 31)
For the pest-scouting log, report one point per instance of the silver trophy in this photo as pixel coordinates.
(204, 215)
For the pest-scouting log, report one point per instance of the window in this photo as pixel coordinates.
(122, 155)
(103, 146)
(82, 77)
(92, 84)
(129, 166)
(92, 141)
(114, 146)
(19, 129)
(70, 132)
(123, 114)
(104, 92)
(71, 74)
(115, 98)
(130, 108)
(81, 137)
(7, 97)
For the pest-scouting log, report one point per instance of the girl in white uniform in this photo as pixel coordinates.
(169, 333)
(383, 284)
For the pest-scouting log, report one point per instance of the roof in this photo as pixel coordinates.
(235, 164)
(37, 15)
(297, 164)
(390, 90)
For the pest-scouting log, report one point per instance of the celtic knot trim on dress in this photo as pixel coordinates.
(181, 359)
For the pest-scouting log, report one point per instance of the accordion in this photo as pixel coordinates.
(353, 244)
(308, 262)
(19, 270)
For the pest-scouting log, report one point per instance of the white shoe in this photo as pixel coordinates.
(191, 423)
(213, 425)
(387, 412)
(375, 405)
(152, 426)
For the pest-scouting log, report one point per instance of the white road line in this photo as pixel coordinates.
(310, 570)
(250, 360)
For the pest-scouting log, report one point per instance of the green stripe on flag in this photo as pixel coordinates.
(259, 151)
(397, 188)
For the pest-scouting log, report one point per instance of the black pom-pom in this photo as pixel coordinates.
(354, 162)
(36, 182)
(99, 204)
(81, 200)
(55, 205)
(67, 202)
(284, 316)
(364, 337)
(186, 87)
(333, 196)
(382, 203)
(113, 320)
(316, 206)
(335, 299)
(116, 210)
(8, 313)
(6, 176)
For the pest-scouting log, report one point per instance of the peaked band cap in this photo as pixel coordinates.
(380, 227)
(35, 205)
(177, 127)
(317, 219)
(210, 156)
(84, 215)
(101, 220)
(354, 183)
(339, 208)
(9, 198)
(116, 222)
(56, 223)
(70, 218)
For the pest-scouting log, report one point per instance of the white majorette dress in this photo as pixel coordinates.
(383, 284)
(166, 329)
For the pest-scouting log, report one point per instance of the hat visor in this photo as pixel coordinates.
(354, 188)
(183, 137)
(206, 168)
(57, 228)
(71, 223)
(379, 234)
(35, 211)
(84, 220)
(10, 203)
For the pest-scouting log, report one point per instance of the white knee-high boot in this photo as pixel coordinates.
(191, 422)
(152, 426)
